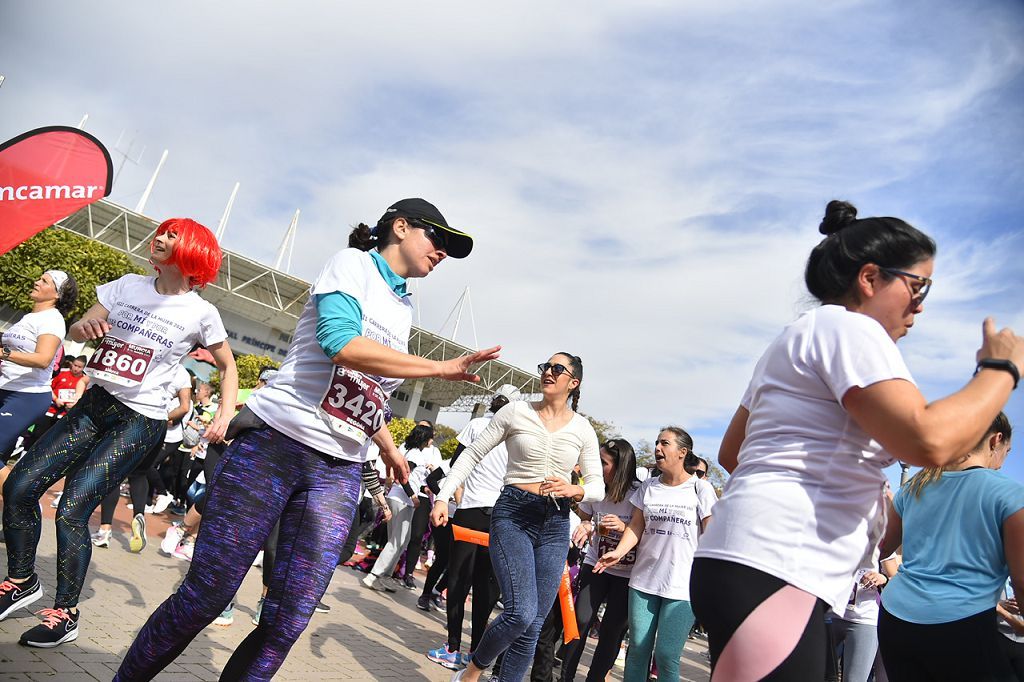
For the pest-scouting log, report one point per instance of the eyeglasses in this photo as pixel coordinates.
(921, 291)
(436, 235)
(557, 369)
(700, 473)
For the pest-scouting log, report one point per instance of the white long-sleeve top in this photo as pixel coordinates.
(534, 453)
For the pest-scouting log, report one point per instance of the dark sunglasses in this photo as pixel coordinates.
(700, 473)
(920, 292)
(434, 233)
(557, 369)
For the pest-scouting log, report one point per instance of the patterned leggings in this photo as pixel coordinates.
(263, 476)
(93, 447)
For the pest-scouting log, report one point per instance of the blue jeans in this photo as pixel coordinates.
(529, 538)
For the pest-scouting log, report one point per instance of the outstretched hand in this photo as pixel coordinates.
(457, 369)
(1001, 345)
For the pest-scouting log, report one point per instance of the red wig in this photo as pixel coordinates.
(196, 252)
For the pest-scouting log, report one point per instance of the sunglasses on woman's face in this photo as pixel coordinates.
(434, 234)
(557, 369)
(700, 473)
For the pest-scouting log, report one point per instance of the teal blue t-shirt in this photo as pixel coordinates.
(953, 561)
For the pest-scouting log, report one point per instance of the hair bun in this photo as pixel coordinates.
(838, 214)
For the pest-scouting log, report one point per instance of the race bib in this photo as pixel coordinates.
(66, 395)
(119, 362)
(353, 405)
(609, 541)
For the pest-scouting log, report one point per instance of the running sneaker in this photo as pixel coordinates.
(176, 509)
(58, 626)
(172, 537)
(438, 601)
(322, 607)
(449, 659)
(137, 543)
(149, 509)
(376, 584)
(259, 612)
(162, 503)
(16, 595)
(465, 658)
(226, 617)
(101, 538)
(185, 548)
(408, 582)
(423, 603)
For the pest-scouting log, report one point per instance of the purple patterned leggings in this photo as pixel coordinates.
(263, 476)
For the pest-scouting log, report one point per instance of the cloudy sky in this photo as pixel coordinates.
(644, 179)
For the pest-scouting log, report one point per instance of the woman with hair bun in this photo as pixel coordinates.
(831, 403)
(144, 327)
(299, 443)
(29, 348)
(530, 521)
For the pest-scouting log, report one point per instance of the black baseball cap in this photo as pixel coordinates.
(458, 245)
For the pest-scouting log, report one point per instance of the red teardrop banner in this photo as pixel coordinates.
(47, 174)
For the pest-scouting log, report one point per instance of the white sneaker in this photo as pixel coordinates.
(171, 539)
(101, 538)
(184, 549)
(162, 503)
(149, 509)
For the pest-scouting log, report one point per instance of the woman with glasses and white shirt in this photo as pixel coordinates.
(831, 403)
(530, 521)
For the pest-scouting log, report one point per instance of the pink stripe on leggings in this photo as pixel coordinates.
(766, 637)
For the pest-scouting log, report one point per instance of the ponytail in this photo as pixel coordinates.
(576, 364)
(575, 396)
(362, 238)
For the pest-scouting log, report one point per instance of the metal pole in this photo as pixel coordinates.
(227, 213)
(141, 206)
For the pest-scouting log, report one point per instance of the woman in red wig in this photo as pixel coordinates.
(142, 327)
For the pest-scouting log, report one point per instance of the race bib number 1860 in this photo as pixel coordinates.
(353, 405)
(119, 362)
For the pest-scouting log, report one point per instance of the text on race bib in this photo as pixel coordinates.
(353, 405)
(119, 362)
(66, 394)
(609, 541)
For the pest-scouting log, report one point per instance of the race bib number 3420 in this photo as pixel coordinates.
(353, 405)
(119, 362)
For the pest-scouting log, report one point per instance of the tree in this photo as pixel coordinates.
(90, 262)
(604, 430)
(400, 428)
(445, 439)
(644, 452)
(249, 367)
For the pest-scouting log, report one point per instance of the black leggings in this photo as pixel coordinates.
(595, 589)
(93, 448)
(469, 566)
(442, 550)
(965, 649)
(724, 593)
(420, 523)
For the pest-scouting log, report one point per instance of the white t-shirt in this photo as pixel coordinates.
(672, 516)
(417, 479)
(22, 336)
(150, 334)
(602, 543)
(806, 502)
(180, 380)
(290, 402)
(483, 487)
(429, 457)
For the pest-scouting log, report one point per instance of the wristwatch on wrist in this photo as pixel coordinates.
(987, 363)
(7, 352)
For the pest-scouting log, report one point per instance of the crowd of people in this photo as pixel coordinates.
(806, 567)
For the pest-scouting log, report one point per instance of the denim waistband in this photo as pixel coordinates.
(519, 495)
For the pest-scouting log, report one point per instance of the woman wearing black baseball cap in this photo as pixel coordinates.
(300, 441)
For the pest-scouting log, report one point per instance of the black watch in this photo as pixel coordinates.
(7, 352)
(1005, 365)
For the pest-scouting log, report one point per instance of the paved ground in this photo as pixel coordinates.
(367, 635)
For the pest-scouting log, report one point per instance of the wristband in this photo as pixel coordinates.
(1005, 365)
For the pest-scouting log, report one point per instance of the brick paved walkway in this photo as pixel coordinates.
(366, 636)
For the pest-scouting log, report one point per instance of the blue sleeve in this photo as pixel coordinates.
(339, 320)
